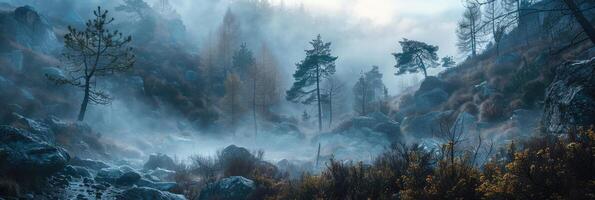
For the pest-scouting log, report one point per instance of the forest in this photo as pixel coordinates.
(297, 99)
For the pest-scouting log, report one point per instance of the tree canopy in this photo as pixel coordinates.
(415, 56)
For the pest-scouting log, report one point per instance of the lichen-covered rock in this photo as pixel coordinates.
(146, 193)
(570, 98)
(21, 153)
(231, 188)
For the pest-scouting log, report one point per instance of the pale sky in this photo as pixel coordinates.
(366, 32)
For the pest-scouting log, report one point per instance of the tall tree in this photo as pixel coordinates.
(318, 64)
(231, 102)
(369, 92)
(268, 82)
(415, 56)
(468, 30)
(228, 40)
(243, 60)
(516, 9)
(333, 90)
(245, 65)
(94, 52)
(497, 26)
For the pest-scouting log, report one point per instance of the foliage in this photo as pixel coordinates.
(93, 52)
(318, 64)
(415, 56)
(448, 61)
(544, 168)
(369, 92)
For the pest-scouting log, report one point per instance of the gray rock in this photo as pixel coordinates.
(21, 153)
(160, 161)
(233, 152)
(128, 178)
(163, 186)
(231, 188)
(427, 101)
(162, 174)
(570, 98)
(76, 171)
(146, 193)
(88, 163)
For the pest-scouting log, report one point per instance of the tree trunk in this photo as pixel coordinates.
(318, 98)
(582, 20)
(254, 106)
(330, 106)
(81, 116)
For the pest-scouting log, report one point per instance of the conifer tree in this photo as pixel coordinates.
(94, 52)
(318, 64)
(415, 56)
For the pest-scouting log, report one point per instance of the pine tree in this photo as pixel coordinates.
(243, 61)
(94, 52)
(318, 64)
(468, 31)
(369, 92)
(448, 61)
(415, 56)
(244, 64)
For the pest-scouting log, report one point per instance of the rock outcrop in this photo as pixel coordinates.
(23, 153)
(570, 99)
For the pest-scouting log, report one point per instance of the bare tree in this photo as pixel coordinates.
(94, 52)
(468, 30)
(333, 91)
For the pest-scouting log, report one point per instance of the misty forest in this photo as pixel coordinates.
(297, 99)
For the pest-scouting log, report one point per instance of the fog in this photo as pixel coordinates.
(363, 34)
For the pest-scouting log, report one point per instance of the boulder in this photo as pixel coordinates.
(21, 153)
(122, 175)
(163, 186)
(465, 124)
(429, 100)
(146, 193)
(231, 188)
(423, 125)
(162, 174)
(39, 130)
(233, 152)
(432, 82)
(128, 178)
(29, 29)
(393, 130)
(570, 98)
(160, 161)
